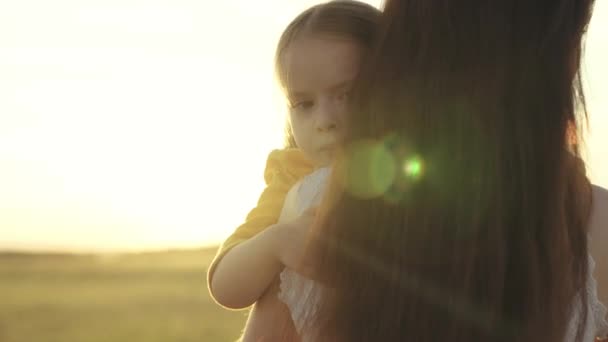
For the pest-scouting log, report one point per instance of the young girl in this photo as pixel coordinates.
(317, 59)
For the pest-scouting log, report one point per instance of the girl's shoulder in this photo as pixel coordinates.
(288, 162)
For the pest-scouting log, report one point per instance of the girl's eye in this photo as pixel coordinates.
(302, 105)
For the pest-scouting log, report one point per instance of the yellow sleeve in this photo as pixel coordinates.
(283, 169)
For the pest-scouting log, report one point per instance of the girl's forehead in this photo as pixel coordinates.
(314, 63)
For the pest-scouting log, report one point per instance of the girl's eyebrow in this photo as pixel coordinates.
(341, 85)
(297, 94)
(336, 87)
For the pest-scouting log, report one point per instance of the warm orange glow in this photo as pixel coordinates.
(130, 125)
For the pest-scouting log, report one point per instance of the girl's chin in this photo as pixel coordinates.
(324, 160)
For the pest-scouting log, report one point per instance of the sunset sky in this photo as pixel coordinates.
(128, 125)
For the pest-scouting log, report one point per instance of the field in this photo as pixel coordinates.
(148, 297)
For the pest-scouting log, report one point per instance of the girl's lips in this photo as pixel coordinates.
(328, 147)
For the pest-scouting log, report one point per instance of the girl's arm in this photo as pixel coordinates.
(270, 319)
(247, 270)
(248, 255)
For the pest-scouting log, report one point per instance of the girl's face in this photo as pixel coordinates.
(319, 75)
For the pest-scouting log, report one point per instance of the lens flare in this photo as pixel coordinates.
(371, 169)
(413, 167)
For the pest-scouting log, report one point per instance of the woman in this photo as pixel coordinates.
(459, 212)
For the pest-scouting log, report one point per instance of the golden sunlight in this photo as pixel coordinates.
(128, 125)
(132, 126)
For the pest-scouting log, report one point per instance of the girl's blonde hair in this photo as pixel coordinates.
(353, 20)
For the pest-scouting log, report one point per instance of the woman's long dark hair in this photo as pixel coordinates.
(458, 212)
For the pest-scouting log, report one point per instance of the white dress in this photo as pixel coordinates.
(302, 295)
(299, 293)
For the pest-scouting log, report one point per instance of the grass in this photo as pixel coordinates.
(129, 297)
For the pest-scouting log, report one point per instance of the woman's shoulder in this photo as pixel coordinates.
(317, 177)
(599, 211)
(290, 210)
(312, 187)
(598, 221)
(598, 240)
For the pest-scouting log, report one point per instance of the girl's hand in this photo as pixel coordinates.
(293, 237)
